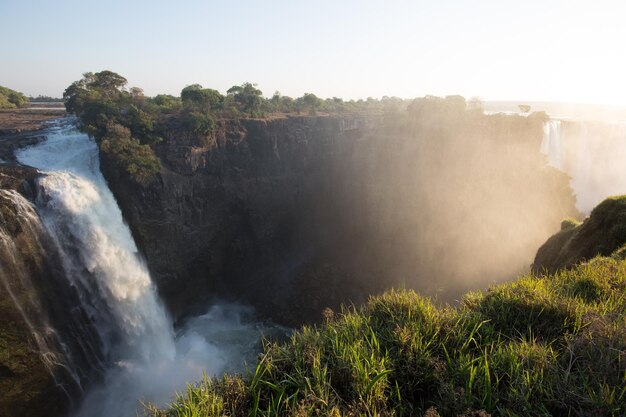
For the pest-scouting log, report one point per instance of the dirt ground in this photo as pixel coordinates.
(14, 121)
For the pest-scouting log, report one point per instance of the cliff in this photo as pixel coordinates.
(47, 350)
(603, 233)
(298, 213)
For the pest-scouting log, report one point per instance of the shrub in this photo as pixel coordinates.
(137, 160)
(10, 99)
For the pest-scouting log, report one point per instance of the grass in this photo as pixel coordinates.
(603, 233)
(541, 346)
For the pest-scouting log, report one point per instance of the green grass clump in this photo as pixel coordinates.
(541, 346)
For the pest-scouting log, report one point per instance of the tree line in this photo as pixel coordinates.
(127, 124)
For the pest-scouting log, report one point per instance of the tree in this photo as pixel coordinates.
(103, 86)
(107, 82)
(203, 99)
(524, 108)
(166, 103)
(311, 102)
(128, 154)
(247, 96)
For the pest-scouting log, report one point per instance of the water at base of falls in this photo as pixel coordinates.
(149, 361)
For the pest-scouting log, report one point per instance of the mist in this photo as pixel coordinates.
(442, 200)
(592, 153)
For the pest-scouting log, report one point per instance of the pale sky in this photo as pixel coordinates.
(572, 51)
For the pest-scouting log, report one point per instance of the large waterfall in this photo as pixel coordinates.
(148, 361)
(592, 154)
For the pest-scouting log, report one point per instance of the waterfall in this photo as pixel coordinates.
(552, 145)
(592, 154)
(148, 361)
(16, 280)
(83, 217)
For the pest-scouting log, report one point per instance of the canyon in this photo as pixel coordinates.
(293, 215)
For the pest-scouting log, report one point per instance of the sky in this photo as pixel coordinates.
(550, 50)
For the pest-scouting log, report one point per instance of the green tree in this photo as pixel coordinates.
(137, 160)
(311, 102)
(248, 97)
(203, 99)
(121, 121)
(96, 99)
(165, 103)
(107, 82)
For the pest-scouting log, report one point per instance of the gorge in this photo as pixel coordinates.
(291, 215)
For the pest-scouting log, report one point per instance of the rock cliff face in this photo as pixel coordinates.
(603, 233)
(295, 214)
(45, 353)
(235, 215)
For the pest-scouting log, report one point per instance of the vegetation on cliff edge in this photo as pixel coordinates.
(117, 120)
(11, 99)
(105, 105)
(541, 346)
(602, 233)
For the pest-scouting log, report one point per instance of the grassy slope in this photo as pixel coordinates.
(602, 233)
(543, 345)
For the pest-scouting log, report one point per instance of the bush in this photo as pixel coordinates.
(10, 99)
(137, 160)
(198, 122)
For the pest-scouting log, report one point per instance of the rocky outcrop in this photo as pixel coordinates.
(47, 349)
(232, 214)
(602, 233)
(298, 213)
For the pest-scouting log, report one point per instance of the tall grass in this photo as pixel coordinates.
(541, 346)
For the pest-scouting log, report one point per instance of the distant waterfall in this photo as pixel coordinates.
(552, 144)
(101, 261)
(592, 154)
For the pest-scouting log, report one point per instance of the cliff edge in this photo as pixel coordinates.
(603, 233)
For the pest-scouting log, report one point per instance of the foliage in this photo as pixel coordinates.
(311, 102)
(543, 345)
(437, 107)
(198, 122)
(602, 233)
(139, 161)
(102, 99)
(202, 99)
(11, 99)
(247, 97)
(123, 122)
(42, 99)
(165, 103)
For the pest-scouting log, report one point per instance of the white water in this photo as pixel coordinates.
(13, 274)
(149, 361)
(593, 154)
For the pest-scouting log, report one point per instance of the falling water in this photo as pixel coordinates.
(149, 362)
(592, 154)
(552, 145)
(14, 276)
